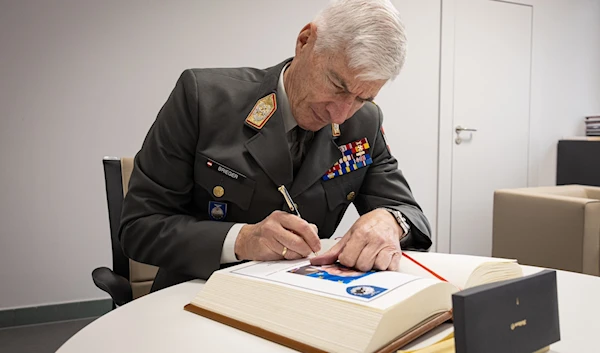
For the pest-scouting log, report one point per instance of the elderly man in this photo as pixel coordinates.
(204, 191)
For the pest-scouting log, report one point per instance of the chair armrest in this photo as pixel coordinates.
(116, 286)
(593, 192)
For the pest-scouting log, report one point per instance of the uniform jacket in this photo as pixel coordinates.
(201, 139)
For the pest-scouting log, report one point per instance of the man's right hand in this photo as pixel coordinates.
(265, 241)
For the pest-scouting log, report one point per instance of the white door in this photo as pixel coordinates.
(492, 66)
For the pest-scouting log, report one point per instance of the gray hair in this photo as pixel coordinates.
(371, 33)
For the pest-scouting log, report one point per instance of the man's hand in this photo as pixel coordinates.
(265, 241)
(373, 242)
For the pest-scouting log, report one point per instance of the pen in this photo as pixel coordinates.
(288, 199)
(291, 204)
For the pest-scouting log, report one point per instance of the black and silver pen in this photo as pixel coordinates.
(291, 204)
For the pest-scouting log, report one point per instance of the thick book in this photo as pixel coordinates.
(337, 309)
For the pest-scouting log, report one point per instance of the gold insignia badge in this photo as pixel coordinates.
(335, 130)
(262, 111)
(218, 191)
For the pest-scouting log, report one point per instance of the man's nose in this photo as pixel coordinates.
(341, 110)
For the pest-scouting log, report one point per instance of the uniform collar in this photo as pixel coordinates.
(266, 145)
(289, 122)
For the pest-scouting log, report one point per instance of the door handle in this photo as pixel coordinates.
(460, 129)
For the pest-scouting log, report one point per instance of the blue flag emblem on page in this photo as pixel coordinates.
(365, 291)
(217, 210)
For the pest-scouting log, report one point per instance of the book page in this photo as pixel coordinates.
(438, 334)
(335, 280)
(448, 267)
(452, 268)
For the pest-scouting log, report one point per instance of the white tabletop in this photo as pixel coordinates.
(158, 323)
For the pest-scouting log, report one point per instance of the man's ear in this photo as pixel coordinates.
(307, 37)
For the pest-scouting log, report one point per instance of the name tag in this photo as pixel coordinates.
(224, 170)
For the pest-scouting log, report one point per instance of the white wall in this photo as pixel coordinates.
(565, 78)
(85, 79)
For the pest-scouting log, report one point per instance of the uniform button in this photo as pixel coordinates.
(218, 191)
(350, 196)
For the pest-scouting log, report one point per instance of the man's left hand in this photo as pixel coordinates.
(373, 242)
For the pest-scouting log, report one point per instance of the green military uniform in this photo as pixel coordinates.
(214, 157)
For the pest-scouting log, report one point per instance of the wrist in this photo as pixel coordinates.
(239, 247)
(401, 222)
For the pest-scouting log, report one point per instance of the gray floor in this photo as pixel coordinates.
(44, 338)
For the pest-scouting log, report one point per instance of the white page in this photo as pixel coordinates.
(452, 268)
(334, 280)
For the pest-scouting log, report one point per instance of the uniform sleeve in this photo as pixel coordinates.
(386, 187)
(228, 252)
(157, 226)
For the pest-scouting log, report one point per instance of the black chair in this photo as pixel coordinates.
(128, 279)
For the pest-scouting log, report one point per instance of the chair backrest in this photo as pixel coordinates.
(117, 172)
(554, 227)
(560, 190)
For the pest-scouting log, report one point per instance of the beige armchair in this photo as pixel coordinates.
(555, 227)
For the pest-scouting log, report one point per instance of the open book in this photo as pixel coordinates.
(337, 309)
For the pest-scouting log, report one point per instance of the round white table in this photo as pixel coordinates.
(158, 323)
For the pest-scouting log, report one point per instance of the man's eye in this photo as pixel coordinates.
(335, 85)
(339, 89)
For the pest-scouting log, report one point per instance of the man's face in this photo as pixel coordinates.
(321, 88)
